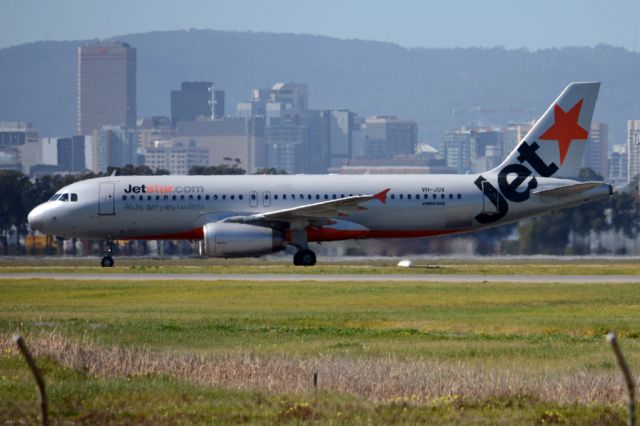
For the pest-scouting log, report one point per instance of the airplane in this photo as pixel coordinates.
(254, 215)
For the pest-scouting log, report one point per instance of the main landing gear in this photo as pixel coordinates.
(107, 261)
(304, 258)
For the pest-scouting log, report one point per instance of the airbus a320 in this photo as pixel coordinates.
(248, 216)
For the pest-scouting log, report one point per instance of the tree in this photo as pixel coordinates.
(222, 169)
(271, 171)
(130, 170)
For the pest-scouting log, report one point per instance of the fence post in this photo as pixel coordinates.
(628, 377)
(44, 403)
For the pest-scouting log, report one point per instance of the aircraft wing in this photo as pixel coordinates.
(314, 212)
(569, 189)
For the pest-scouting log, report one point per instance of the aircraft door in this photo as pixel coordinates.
(107, 200)
(253, 199)
(266, 198)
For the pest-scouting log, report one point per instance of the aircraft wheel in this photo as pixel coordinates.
(107, 262)
(304, 258)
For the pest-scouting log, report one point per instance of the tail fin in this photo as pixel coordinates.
(555, 144)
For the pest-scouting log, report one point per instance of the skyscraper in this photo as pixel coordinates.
(597, 149)
(196, 99)
(106, 86)
(388, 136)
(633, 148)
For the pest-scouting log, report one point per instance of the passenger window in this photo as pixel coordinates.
(199, 197)
(166, 197)
(334, 196)
(326, 197)
(233, 197)
(309, 196)
(451, 196)
(64, 197)
(275, 196)
(240, 197)
(206, 197)
(435, 196)
(149, 197)
(293, 196)
(317, 196)
(459, 196)
(253, 196)
(182, 198)
(400, 196)
(393, 196)
(442, 196)
(341, 195)
(417, 196)
(425, 196)
(74, 197)
(157, 198)
(408, 196)
(224, 197)
(284, 196)
(124, 198)
(173, 197)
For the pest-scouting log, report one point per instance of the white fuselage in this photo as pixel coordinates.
(177, 207)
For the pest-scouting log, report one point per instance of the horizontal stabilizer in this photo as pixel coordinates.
(569, 189)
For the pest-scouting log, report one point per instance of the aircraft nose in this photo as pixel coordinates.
(36, 218)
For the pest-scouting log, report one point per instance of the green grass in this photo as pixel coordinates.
(534, 330)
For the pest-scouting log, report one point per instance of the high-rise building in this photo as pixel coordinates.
(341, 126)
(106, 86)
(114, 146)
(513, 134)
(19, 146)
(287, 146)
(71, 153)
(294, 97)
(387, 136)
(176, 156)
(633, 148)
(231, 137)
(597, 149)
(618, 164)
(196, 99)
(457, 150)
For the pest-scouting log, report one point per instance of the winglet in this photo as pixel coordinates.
(382, 196)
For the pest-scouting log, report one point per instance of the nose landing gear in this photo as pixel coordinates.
(107, 261)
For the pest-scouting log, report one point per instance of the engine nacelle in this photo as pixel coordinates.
(240, 240)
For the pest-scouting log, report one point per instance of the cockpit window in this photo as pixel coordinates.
(54, 197)
(74, 197)
(64, 197)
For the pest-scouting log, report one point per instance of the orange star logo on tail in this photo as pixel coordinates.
(565, 129)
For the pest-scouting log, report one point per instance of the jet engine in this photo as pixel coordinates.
(240, 240)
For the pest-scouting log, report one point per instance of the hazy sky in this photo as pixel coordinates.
(411, 23)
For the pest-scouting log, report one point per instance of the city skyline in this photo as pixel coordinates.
(533, 25)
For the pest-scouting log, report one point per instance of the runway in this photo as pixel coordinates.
(426, 278)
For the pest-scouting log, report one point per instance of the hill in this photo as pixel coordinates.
(38, 80)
